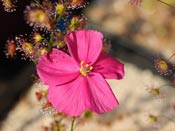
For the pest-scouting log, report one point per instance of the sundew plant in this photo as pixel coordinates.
(70, 60)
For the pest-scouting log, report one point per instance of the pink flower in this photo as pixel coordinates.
(77, 81)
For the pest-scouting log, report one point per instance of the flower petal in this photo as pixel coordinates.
(85, 45)
(69, 98)
(57, 68)
(101, 98)
(109, 67)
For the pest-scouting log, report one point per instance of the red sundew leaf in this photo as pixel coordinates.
(9, 5)
(48, 6)
(162, 66)
(47, 105)
(11, 48)
(41, 94)
(77, 4)
(47, 109)
(37, 17)
(26, 48)
(38, 95)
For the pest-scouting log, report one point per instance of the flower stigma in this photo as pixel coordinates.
(85, 68)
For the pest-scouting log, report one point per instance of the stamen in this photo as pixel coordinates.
(82, 62)
(90, 68)
(85, 68)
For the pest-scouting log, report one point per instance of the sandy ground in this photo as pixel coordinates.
(136, 104)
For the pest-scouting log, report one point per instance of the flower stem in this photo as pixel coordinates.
(171, 56)
(50, 19)
(55, 25)
(72, 125)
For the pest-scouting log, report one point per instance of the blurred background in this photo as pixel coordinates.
(13, 76)
(138, 35)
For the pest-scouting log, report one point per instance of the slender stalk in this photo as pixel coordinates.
(56, 22)
(166, 4)
(171, 56)
(72, 125)
(50, 18)
(51, 39)
(46, 41)
(61, 15)
(61, 118)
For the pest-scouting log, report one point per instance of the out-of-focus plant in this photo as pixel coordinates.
(163, 66)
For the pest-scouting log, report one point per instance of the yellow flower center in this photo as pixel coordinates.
(85, 68)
